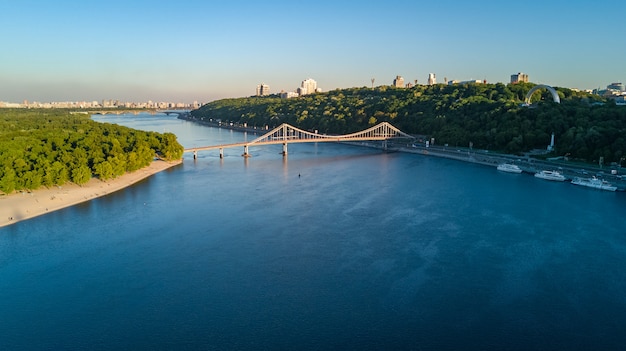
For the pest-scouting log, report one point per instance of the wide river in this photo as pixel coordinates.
(335, 247)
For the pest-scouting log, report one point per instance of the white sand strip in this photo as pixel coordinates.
(24, 205)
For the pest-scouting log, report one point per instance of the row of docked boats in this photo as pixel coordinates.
(557, 176)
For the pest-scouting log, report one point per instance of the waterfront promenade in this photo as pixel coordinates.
(527, 163)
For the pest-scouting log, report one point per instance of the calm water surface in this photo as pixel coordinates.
(335, 247)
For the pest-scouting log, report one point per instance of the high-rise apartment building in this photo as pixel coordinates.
(431, 79)
(308, 86)
(398, 82)
(262, 89)
(519, 78)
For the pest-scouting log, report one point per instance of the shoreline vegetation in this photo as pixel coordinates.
(51, 148)
(25, 205)
(584, 127)
(529, 162)
(52, 159)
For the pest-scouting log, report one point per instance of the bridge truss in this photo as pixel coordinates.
(286, 133)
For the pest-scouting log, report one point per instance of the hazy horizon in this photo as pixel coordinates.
(195, 51)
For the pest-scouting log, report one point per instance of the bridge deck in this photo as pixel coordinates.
(275, 142)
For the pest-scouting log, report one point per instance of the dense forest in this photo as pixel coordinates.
(491, 116)
(53, 147)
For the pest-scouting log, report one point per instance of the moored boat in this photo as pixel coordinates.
(551, 175)
(507, 167)
(594, 183)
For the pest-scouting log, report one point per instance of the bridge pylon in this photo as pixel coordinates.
(245, 151)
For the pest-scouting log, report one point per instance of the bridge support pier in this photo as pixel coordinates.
(245, 151)
(221, 152)
(284, 149)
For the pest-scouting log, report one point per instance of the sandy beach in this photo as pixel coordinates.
(24, 205)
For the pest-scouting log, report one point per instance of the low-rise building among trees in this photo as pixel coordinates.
(519, 78)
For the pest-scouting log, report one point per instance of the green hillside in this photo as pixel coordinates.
(491, 116)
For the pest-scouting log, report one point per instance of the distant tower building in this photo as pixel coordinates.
(519, 78)
(431, 79)
(398, 82)
(262, 89)
(308, 86)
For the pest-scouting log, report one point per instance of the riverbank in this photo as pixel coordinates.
(24, 205)
(526, 163)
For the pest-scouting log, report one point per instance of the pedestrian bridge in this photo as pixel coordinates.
(286, 133)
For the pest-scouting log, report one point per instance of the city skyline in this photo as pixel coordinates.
(195, 51)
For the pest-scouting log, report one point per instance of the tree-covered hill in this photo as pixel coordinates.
(491, 116)
(52, 147)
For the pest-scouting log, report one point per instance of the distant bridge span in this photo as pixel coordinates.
(286, 133)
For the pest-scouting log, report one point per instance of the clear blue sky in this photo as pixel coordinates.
(188, 50)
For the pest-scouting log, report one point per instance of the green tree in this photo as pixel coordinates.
(81, 175)
(7, 180)
(104, 170)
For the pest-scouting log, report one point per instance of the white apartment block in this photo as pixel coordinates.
(262, 89)
(431, 79)
(308, 86)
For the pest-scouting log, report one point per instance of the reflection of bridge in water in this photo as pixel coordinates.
(286, 133)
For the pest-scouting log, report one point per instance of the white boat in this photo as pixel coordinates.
(507, 167)
(550, 175)
(595, 183)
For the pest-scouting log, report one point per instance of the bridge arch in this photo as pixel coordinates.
(555, 95)
(286, 133)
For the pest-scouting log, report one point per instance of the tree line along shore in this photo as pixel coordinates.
(52, 147)
(587, 128)
(48, 147)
